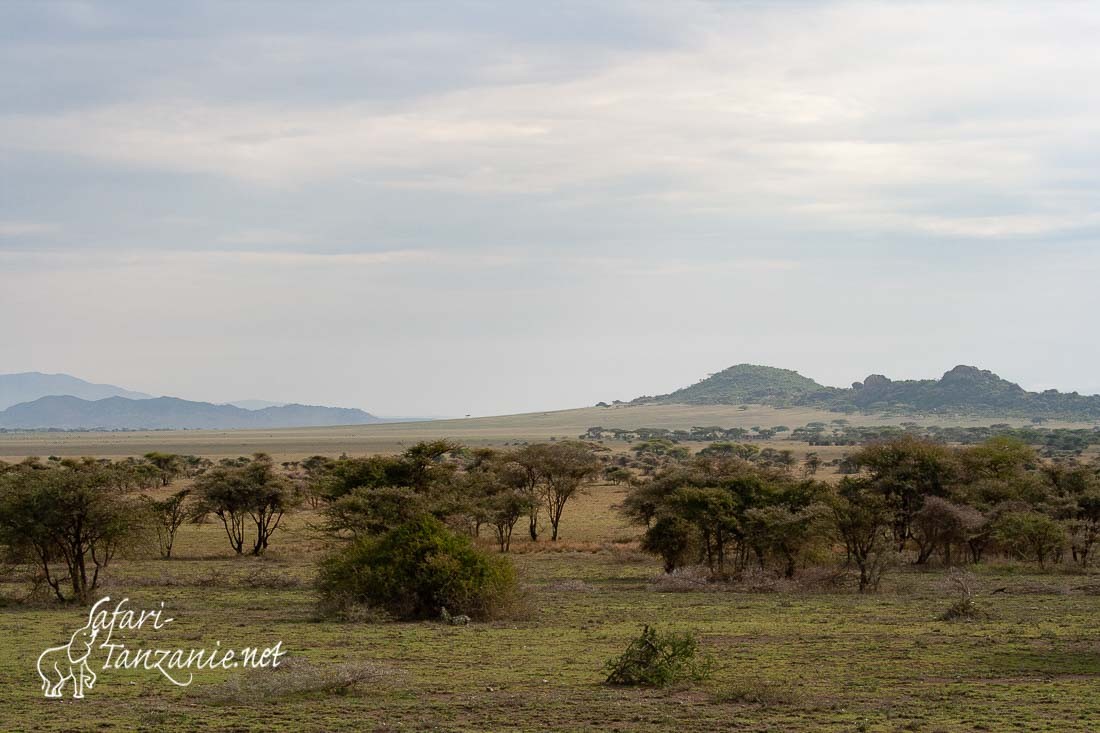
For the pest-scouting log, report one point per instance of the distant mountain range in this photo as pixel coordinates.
(962, 390)
(28, 386)
(255, 404)
(115, 413)
(32, 400)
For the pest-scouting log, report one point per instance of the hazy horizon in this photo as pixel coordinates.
(274, 403)
(462, 208)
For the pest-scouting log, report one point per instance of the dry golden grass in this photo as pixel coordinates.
(295, 443)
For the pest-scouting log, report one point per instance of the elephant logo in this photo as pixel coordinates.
(69, 663)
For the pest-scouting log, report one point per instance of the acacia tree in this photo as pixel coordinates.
(564, 468)
(495, 492)
(168, 515)
(424, 467)
(618, 475)
(366, 511)
(905, 471)
(942, 525)
(862, 520)
(504, 510)
(69, 521)
(786, 532)
(1030, 535)
(242, 490)
(309, 473)
(371, 495)
(168, 466)
(221, 492)
(269, 496)
(1085, 527)
(528, 466)
(712, 512)
(673, 538)
(812, 464)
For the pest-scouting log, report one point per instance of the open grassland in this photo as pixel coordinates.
(296, 443)
(821, 658)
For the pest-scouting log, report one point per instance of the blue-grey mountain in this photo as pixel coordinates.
(119, 413)
(29, 386)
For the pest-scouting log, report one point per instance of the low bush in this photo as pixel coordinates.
(965, 608)
(655, 660)
(414, 571)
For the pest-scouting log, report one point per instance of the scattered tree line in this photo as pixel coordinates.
(909, 498)
(399, 515)
(1052, 441)
(730, 506)
(66, 519)
(695, 434)
(470, 488)
(655, 453)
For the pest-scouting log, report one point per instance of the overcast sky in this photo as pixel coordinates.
(454, 208)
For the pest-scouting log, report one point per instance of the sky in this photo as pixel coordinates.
(484, 208)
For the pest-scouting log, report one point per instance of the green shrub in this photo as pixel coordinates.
(417, 569)
(655, 660)
(366, 511)
(674, 539)
(1030, 535)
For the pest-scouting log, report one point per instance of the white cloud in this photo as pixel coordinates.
(824, 113)
(278, 212)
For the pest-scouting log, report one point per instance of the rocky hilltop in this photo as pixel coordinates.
(964, 389)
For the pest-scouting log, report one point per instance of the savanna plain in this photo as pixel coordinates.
(805, 653)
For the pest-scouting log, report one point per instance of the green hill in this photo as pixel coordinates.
(745, 384)
(962, 390)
